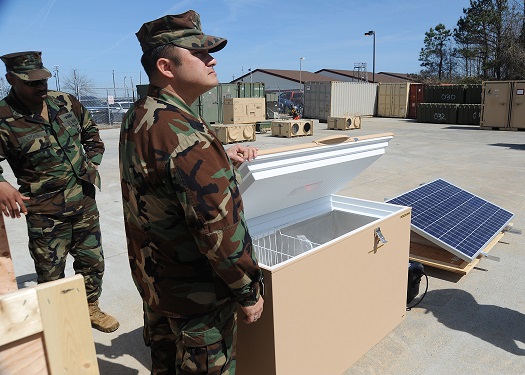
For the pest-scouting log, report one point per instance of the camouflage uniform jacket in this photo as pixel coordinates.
(189, 247)
(50, 159)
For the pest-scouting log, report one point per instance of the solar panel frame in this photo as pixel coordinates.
(453, 218)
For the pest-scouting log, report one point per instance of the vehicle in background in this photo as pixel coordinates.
(294, 96)
(289, 100)
(97, 107)
(118, 109)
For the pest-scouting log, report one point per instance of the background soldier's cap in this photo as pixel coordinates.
(183, 30)
(26, 65)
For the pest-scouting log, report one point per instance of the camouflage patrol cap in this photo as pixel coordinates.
(183, 30)
(26, 65)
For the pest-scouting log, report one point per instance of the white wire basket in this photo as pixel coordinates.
(275, 248)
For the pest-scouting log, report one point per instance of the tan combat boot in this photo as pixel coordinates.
(100, 320)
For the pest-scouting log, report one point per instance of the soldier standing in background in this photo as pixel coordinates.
(190, 252)
(53, 147)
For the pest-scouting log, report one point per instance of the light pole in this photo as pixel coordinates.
(125, 88)
(300, 73)
(373, 33)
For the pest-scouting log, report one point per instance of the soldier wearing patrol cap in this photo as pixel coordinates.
(53, 147)
(190, 252)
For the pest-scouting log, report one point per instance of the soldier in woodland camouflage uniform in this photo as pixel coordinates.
(190, 252)
(53, 147)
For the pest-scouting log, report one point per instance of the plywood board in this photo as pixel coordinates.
(46, 329)
(7, 272)
(425, 252)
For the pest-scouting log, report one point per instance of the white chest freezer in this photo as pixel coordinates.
(335, 267)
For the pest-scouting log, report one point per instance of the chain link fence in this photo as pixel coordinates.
(107, 105)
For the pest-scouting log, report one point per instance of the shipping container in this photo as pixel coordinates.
(517, 114)
(272, 105)
(496, 104)
(473, 93)
(443, 113)
(454, 94)
(392, 99)
(325, 258)
(416, 95)
(339, 99)
(423, 112)
(250, 90)
(469, 114)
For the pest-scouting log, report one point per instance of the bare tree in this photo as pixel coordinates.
(4, 87)
(78, 84)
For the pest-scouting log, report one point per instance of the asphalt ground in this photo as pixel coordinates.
(471, 324)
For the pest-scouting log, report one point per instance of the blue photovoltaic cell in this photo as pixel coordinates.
(453, 217)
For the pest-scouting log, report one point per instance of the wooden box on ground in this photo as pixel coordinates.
(344, 123)
(244, 110)
(44, 330)
(292, 128)
(233, 133)
(335, 267)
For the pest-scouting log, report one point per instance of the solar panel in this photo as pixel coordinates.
(453, 218)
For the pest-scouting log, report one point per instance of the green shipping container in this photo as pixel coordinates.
(473, 93)
(250, 90)
(454, 94)
(442, 113)
(469, 114)
(423, 111)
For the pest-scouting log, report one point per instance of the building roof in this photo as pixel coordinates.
(381, 77)
(292, 75)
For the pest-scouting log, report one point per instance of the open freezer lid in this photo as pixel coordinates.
(284, 177)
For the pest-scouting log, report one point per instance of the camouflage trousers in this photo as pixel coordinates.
(203, 345)
(52, 238)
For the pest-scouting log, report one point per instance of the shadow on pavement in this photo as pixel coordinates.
(458, 310)
(512, 146)
(130, 344)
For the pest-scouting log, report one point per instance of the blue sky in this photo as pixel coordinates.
(98, 37)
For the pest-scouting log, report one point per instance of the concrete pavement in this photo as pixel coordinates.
(473, 324)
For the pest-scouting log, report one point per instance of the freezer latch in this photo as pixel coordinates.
(379, 236)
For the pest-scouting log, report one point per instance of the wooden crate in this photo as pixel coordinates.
(292, 128)
(234, 133)
(44, 330)
(244, 110)
(344, 123)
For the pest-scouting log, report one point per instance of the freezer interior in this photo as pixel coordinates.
(289, 195)
(275, 247)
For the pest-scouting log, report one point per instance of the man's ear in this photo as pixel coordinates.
(166, 67)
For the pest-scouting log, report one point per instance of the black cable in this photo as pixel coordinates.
(423, 296)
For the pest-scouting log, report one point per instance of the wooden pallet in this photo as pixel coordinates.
(429, 254)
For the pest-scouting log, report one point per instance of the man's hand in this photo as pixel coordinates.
(11, 201)
(252, 313)
(239, 153)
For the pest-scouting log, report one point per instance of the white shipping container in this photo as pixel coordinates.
(339, 99)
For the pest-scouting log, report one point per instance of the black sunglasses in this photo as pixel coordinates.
(36, 83)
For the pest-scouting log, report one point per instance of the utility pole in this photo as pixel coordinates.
(57, 79)
(132, 89)
(114, 88)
